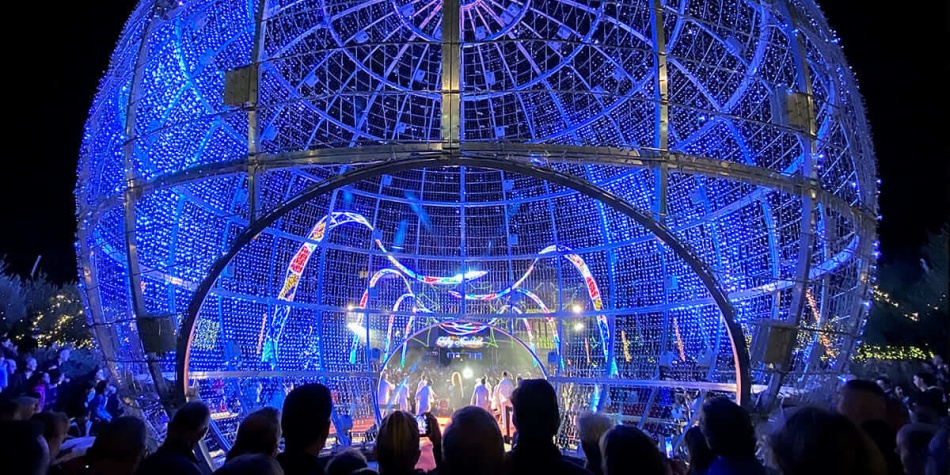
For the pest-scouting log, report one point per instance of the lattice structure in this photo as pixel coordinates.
(635, 188)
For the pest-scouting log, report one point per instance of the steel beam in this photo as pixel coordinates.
(451, 73)
(253, 128)
(129, 197)
(808, 140)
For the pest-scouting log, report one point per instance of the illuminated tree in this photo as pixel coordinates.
(911, 299)
(55, 314)
(12, 306)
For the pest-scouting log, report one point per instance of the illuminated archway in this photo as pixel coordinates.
(740, 352)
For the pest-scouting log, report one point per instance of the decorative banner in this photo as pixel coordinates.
(467, 342)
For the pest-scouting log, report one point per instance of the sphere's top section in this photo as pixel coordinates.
(721, 79)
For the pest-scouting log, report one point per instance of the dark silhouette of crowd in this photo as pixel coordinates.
(869, 431)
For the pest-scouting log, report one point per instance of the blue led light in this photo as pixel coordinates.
(334, 76)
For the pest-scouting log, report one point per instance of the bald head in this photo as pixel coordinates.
(472, 444)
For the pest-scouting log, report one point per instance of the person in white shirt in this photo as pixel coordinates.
(382, 394)
(481, 397)
(401, 398)
(424, 398)
(502, 398)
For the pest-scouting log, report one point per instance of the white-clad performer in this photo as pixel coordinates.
(502, 399)
(424, 398)
(382, 393)
(401, 398)
(481, 397)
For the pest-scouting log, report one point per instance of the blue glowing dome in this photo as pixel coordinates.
(649, 196)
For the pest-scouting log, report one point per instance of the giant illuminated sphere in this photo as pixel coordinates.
(648, 194)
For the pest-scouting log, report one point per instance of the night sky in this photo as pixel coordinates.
(56, 57)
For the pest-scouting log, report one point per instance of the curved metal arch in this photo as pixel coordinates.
(740, 350)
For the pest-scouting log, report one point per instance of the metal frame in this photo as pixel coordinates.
(795, 185)
(740, 351)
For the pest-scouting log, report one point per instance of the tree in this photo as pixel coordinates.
(12, 303)
(911, 299)
(55, 314)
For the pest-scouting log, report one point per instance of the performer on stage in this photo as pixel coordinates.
(401, 398)
(382, 394)
(481, 397)
(424, 397)
(502, 399)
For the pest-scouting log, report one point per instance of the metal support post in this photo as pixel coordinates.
(451, 74)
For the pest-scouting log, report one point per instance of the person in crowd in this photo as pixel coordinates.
(74, 402)
(731, 438)
(20, 379)
(480, 396)
(58, 360)
(472, 444)
(97, 406)
(20, 408)
(941, 372)
(591, 427)
(56, 379)
(938, 460)
(814, 441)
(929, 392)
(6, 371)
(397, 447)
(305, 423)
(627, 449)
(259, 433)
(502, 400)
(913, 446)
(346, 462)
(177, 454)
(250, 464)
(536, 417)
(23, 450)
(700, 457)
(119, 448)
(7, 346)
(927, 382)
(928, 410)
(865, 405)
(38, 385)
(897, 414)
(55, 425)
(424, 397)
